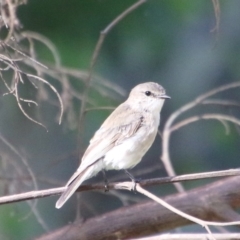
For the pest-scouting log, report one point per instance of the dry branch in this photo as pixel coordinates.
(196, 236)
(94, 57)
(202, 99)
(213, 202)
(117, 185)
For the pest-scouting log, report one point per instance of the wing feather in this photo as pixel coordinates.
(120, 125)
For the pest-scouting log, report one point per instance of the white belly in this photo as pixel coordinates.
(131, 151)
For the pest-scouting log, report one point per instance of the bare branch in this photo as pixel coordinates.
(225, 103)
(17, 77)
(195, 236)
(217, 12)
(54, 90)
(117, 185)
(96, 52)
(32, 35)
(24, 160)
(22, 110)
(94, 57)
(168, 125)
(219, 117)
(10, 23)
(130, 222)
(202, 223)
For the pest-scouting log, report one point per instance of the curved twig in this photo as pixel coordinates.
(54, 90)
(168, 125)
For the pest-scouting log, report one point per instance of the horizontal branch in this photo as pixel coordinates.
(117, 185)
(213, 202)
(196, 236)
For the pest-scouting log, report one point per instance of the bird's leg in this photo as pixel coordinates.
(105, 181)
(134, 180)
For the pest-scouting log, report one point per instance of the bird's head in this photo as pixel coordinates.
(149, 96)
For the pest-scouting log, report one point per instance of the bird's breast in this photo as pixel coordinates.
(130, 151)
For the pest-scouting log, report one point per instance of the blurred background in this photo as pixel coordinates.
(174, 43)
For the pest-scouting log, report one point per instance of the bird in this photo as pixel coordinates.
(123, 138)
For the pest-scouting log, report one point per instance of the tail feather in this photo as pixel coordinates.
(72, 186)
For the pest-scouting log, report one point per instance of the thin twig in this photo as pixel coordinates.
(45, 41)
(202, 223)
(117, 185)
(54, 90)
(217, 12)
(25, 163)
(168, 125)
(193, 236)
(95, 55)
(21, 108)
(204, 116)
(96, 52)
(99, 108)
(11, 22)
(224, 103)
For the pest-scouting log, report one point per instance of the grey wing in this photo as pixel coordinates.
(120, 125)
(123, 123)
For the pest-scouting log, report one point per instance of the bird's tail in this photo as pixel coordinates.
(76, 180)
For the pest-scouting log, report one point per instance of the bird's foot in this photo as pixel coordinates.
(106, 185)
(134, 181)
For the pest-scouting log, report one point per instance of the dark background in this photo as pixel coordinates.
(170, 42)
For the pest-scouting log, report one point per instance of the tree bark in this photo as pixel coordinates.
(213, 202)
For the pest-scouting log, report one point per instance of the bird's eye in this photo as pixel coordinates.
(148, 93)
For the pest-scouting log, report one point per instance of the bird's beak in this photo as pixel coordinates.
(165, 97)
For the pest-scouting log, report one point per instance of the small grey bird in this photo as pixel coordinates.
(124, 137)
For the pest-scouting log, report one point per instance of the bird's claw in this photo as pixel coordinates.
(106, 187)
